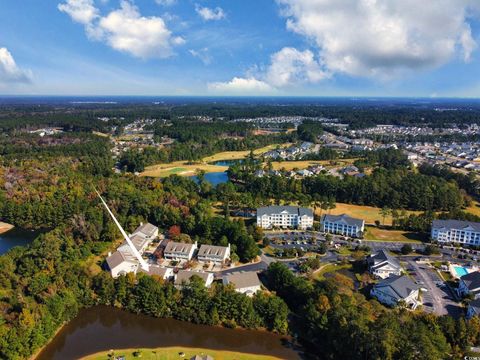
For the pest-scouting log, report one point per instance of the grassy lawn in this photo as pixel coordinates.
(474, 208)
(180, 168)
(236, 155)
(374, 233)
(303, 164)
(367, 213)
(329, 268)
(172, 353)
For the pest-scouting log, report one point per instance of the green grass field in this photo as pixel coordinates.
(373, 233)
(367, 213)
(329, 268)
(174, 353)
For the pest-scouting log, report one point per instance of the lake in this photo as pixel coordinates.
(214, 178)
(102, 328)
(16, 237)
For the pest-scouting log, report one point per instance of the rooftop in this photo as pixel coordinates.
(243, 279)
(401, 285)
(456, 224)
(343, 218)
(293, 210)
(177, 247)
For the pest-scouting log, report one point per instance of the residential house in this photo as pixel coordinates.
(183, 277)
(212, 253)
(179, 251)
(383, 265)
(121, 263)
(284, 217)
(456, 231)
(397, 289)
(162, 272)
(469, 284)
(343, 225)
(147, 230)
(244, 282)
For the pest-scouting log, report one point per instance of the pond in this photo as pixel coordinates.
(102, 328)
(214, 178)
(227, 162)
(16, 237)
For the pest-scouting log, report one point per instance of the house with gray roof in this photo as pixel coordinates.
(469, 284)
(121, 263)
(284, 217)
(456, 231)
(179, 251)
(162, 272)
(147, 230)
(395, 289)
(183, 277)
(244, 282)
(343, 225)
(212, 253)
(383, 265)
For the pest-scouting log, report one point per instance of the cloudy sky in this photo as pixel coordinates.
(241, 47)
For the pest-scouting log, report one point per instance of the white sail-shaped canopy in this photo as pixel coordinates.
(135, 252)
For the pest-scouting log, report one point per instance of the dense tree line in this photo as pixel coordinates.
(399, 189)
(220, 305)
(336, 322)
(386, 158)
(309, 131)
(468, 182)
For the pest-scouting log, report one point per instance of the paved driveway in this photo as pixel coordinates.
(436, 299)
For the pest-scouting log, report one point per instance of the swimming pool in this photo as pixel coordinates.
(460, 271)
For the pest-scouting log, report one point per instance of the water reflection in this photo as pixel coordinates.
(102, 328)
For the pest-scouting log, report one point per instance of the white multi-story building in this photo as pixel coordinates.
(456, 231)
(343, 225)
(284, 217)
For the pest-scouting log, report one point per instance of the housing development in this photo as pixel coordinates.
(226, 217)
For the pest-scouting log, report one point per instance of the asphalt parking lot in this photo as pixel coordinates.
(437, 298)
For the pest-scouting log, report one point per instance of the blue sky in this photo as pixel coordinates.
(247, 47)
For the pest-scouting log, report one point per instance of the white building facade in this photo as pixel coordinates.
(456, 231)
(343, 225)
(284, 217)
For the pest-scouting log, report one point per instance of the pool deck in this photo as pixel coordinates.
(467, 270)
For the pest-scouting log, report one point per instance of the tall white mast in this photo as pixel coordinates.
(135, 252)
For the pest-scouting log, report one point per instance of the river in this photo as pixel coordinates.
(16, 237)
(102, 328)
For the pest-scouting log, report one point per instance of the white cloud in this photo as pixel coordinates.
(290, 66)
(208, 14)
(287, 67)
(125, 29)
(382, 38)
(166, 2)
(240, 86)
(81, 11)
(202, 54)
(9, 70)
